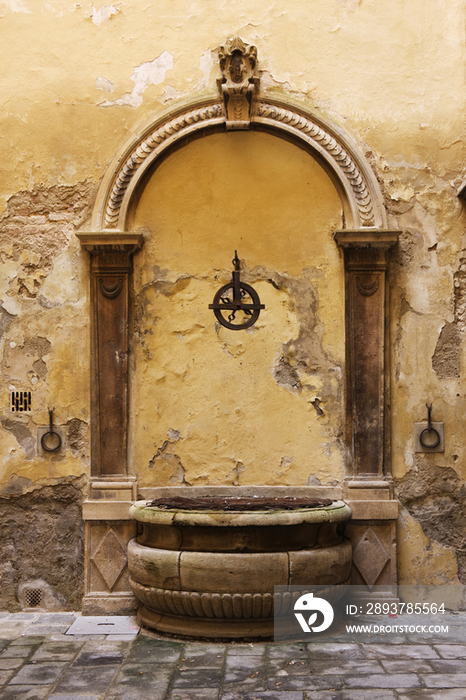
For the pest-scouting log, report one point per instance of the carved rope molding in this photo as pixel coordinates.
(333, 148)
(297, 121)
(146, 148)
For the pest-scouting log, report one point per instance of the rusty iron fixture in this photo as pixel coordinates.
(238, 503)
(233, 297)
(429, 437)
(51, 441)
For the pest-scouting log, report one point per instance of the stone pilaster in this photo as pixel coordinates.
(112, 489)
(111, 264)
(368, 490)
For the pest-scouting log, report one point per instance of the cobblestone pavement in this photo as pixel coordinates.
(39, 660)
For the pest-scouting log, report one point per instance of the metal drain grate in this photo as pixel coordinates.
(20, 401)
(33, 597)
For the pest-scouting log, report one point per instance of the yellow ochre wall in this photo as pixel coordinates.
(77, 82)
(239, 404)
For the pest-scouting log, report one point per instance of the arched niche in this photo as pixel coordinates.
(263, 406)
(355, 209)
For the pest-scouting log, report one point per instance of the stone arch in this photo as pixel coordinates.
(352, 176)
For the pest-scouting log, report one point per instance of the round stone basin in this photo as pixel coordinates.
(207, 567)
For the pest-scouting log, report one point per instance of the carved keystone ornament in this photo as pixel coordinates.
(237, 63)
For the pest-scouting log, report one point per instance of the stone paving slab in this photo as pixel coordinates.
(18, 652)
(428, 694)
(340, 667)
(451, 651)
(56, 651)
(204, 657)
(246, 649)
(447, 665)
(99, 658)
(75, 696)
(26, 692)
(351, 695)
(267, 695)
(444, 680)
(288, 651)
(11, 630)
(94, 679)
(132, 683)
(324, 650)
(198, 678)
(148, 650)
(47, 629)
(306, 683)
(202, 694)
(39, 674)
(293, 667)
(403, 651)
(386, 680)
(407, 666)
(5, 675)
(55, 618)
(7, 664)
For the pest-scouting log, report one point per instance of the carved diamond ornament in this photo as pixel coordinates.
(110, 559)
(370, 557)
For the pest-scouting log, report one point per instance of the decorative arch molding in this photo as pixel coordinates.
(358, 188)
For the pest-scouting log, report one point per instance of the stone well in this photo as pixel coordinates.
(211, 573)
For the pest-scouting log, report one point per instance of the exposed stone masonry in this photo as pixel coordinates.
(43, 538)
(436, 497)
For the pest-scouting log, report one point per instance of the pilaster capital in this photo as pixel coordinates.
(111, 251)
(111, 241)
(360, 239)
(366, 249)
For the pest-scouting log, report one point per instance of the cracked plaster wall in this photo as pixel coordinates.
(79, 79)
(244, 403)
(44, 348)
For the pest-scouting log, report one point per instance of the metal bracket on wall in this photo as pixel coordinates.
(237, 297)
(430, 436)
(50, 439)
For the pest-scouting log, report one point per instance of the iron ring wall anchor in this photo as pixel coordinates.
(51, 434)
(429, 429)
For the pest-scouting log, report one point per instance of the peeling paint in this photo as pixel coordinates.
(205, 66)
(104, 84)
(23, 436)
(238, 470)
(16, 6)
(104, 13)
(149, 73)
(446, 360)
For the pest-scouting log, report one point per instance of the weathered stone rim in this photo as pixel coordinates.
(339, 511)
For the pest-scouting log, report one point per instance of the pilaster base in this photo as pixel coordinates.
(108, 529)
(372, 531)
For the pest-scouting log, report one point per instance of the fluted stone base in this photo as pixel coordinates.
(190, 613)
